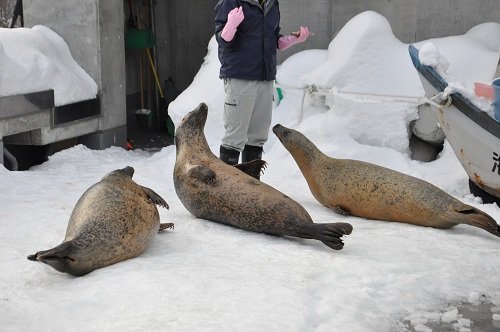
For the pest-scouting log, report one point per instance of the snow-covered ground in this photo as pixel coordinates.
(204, 276)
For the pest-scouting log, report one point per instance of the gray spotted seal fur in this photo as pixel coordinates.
(210, 189)
(114, 220)
(371, 191)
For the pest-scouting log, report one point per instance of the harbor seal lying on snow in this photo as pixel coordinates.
(114, 220)
(371, 191)
(211, 189)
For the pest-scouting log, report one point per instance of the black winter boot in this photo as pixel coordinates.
(229, 156)
(251, 152)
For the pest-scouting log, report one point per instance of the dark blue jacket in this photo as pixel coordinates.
(251, 55)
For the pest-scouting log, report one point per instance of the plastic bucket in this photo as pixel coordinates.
(496, 98)
(144, 118)
(139, 38)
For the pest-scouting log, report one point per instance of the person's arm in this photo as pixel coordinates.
(234, 19)
(222, 10)
(285, 42)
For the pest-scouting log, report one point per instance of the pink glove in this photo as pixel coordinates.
(234, 18)
(297, 37)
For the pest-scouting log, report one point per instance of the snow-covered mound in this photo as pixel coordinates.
(38, 59)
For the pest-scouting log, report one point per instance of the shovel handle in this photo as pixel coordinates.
(153, 69)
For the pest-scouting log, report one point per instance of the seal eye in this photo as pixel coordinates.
(285, 133)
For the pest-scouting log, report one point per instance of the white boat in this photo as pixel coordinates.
(472, 133)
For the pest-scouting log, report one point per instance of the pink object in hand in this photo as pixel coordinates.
(234, 19)
(297, 37)
(483, 90)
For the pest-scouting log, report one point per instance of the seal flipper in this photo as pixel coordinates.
(202, 173)
(57, 257)
(253, 168)
(475, 217)
(330, 234)
(155, 198)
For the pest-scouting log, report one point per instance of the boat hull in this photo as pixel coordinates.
(472, 133)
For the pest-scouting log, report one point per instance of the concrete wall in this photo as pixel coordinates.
(183, 30)
(185, 27)
(76, 24)
(94, 32)
(451, 17)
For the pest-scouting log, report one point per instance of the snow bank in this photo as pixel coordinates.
(38, 59)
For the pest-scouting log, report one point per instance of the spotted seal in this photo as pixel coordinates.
(114, 220)
(213, 190)
(370, 191)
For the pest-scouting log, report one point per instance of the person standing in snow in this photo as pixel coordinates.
(248, 34)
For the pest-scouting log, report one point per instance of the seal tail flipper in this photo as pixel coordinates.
(478, 218)
(155, 198)
(57, 257)
(330, 234)
(253, 168)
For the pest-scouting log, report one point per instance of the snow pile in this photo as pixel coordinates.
(367, 47)
(206, 87)
(38, 59)
(471, 56)
(429, 55)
